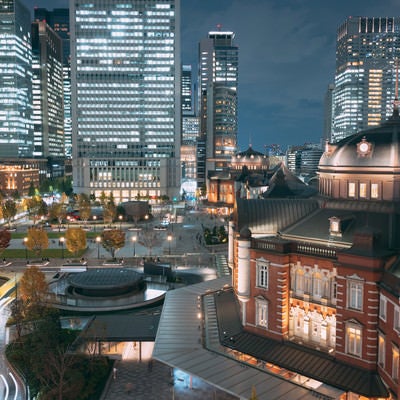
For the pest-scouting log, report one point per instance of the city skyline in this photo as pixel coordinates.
(284, 105)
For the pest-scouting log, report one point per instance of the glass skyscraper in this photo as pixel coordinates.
(218, 84)
(58, 20)
(366, 50)
(125, 86)
(47, 87)
(16, 128)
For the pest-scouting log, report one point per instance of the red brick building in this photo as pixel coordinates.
(320, 276)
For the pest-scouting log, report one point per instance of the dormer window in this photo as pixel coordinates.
(334, 227)
(339, 225)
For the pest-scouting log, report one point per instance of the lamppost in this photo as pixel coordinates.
(134, 239)
(120, 221)
(94, 222)
(98, 240)
(62, 239)
(26, 248)
(169, 238)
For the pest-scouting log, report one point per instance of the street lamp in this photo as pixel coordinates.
(26, 248)
(169, 238)
(94, 222)
(98, 240)
(120, 221)
(134, 238)
(62, 239)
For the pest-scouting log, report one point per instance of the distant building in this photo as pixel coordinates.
(16, 179)
(48, 111)
(126, 81)
(303, 160)
(218, 85)
(16, 127)
(366, 50)
(58, 20)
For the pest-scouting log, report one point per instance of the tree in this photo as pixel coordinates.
(9, 210)
(58, 211)
(75, 240)
(149, 239)
(33, 291)
(37, 240)
(85, 209)
(109, 210)
(5, 239)
(36, 207)
(113, 240)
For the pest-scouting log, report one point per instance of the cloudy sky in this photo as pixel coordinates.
(286, 56)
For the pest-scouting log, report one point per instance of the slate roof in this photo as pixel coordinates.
(267, 217)
(287, 355)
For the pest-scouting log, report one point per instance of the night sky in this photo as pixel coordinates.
(286, 58)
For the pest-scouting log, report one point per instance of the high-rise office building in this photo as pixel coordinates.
(47, 86)
(58, 20)
(126, 112)
(366, 50)
(16, 128)
(218, 84)
(187, 90)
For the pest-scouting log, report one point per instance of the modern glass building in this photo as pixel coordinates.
(366, 50)
(47, 86)
(218, 84)
(16, 128)
(126, 91)
(58, 20)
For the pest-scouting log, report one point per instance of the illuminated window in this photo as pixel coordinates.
(352, 189)
(363, 190)
(353, 339)
(381, 349)
(262, 274)
(355, 295)
(374, 191)
(395, 363)
(262, 312)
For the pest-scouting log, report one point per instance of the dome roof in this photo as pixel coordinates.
(375, 147)
(250, 158)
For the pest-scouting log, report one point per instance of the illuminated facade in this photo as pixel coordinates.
(126, 113)
(58, 20)
(218, 84)
(18, 179)
(47, 87)
(16, 128)
(365, 75)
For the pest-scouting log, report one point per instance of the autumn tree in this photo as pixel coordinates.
(37, 240)
(113, 240)
(9, 210)
(36, 207)
(85, 209)
(75, 240)
(33, 291)
(58, 211)
(109, 209)
(5, 239)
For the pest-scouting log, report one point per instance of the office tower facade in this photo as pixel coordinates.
(365, 75)
(218, 84)
(58, 20)
(47, 87)
(126, 113)
(16, 128)
(187, 90)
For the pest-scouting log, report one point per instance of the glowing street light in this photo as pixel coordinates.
(62, 239)
(94, 222)
(169, 238)
(134, 239)
(120, 221)
(98, 240)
